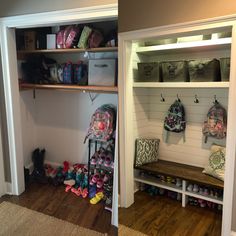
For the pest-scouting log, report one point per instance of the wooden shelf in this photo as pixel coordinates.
(181, 85)
(96, 89)
(71, 50)
(216, 44)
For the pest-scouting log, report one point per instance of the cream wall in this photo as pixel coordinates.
(135, 14)
(20, 7)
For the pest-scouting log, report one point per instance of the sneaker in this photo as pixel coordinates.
(178, 182)
(190, 188)
(206, 191)
(202, 203)
(195, 188)
(93, 160)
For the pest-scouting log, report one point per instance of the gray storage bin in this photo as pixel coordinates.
(174, 71)
(148, 72)
(204, 70)
(225, 68)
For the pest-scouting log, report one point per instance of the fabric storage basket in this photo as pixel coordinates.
(148, 72)
(102, 72)
(225, 68)
(204, 70)
(174, 71)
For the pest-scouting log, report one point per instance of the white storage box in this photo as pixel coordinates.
(102, 72)
(51, 41)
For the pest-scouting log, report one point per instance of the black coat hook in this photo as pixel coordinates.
(215, 100)
(162, 98)
(178, 98)
(196, 99)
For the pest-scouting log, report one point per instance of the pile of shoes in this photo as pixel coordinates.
(101, 178)
(203, 203)
(203, 190)
(155, 191)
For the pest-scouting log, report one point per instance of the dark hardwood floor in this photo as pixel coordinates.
(162, 216)
(55, 202)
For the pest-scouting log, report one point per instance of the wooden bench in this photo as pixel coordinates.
(182, 171)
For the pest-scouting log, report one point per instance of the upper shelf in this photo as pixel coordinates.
(70, 50)
(222, 43)
(95, 89)
(181, 85)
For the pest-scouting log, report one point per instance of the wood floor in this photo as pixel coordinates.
(55, 202)
(162, 216)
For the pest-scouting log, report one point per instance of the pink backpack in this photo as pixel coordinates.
(95, 39)
(102, 123)
(60, 39)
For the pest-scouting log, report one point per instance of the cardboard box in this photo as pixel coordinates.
(30, 40)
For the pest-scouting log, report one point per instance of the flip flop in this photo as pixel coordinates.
(85, 193)
(98, 197)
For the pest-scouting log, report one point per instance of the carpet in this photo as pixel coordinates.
(20, 221)
(126, 231)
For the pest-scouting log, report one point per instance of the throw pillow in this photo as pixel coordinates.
(216, 165)
(147, 151)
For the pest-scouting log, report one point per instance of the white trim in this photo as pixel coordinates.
(8, 188)
(10, 74)
(125, 104)
(84, 14)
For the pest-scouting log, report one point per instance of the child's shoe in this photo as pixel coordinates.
(206, 191)
(202, 203)
(195, 188)
(178, 183)
(168, 179)
(190, 188)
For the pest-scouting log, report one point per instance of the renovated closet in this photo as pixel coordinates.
(148, 95)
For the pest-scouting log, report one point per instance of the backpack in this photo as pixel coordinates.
(67, 73)
(95, 39)
(80, 73)
(175, 119)
(216, 124)
(103, 122)
(72, 38)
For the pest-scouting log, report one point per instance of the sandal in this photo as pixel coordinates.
(68, 188)
(98, 197)
(85, 193)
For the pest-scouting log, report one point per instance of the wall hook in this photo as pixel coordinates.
(215, 100)
(162, 98)
(178, 98)
(196, 99)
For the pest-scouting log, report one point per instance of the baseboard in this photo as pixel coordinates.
(8, 188)
(233, 233)
(53, 164)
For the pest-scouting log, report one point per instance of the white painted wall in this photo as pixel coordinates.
(58, 121)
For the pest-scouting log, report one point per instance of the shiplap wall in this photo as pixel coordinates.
(149, 113)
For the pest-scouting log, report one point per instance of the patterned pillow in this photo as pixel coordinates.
(216, 167)
(147, 151)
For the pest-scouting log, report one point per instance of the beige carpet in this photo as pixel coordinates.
(20, 221)
(125, 231)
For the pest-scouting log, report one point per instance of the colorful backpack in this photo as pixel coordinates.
(67, 73)
(175, 119)
(80, 73)
(72, 38)
(103, 123)
(216, 124)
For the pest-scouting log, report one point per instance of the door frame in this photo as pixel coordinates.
(126, 104)
(10, 74)
(2, 173)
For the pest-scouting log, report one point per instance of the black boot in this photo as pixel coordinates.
(38, 161)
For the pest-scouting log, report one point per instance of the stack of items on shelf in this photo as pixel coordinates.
(208, 70)
(101, 176)
(44, 70)
(155, 191)
(71, 36)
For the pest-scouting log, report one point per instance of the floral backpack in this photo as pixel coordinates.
(216, 124)
(175, 119)
(103, 122)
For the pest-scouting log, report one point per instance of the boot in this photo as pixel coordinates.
(38, 161)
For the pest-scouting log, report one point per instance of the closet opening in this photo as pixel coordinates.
(177, 91)
(65, 72)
